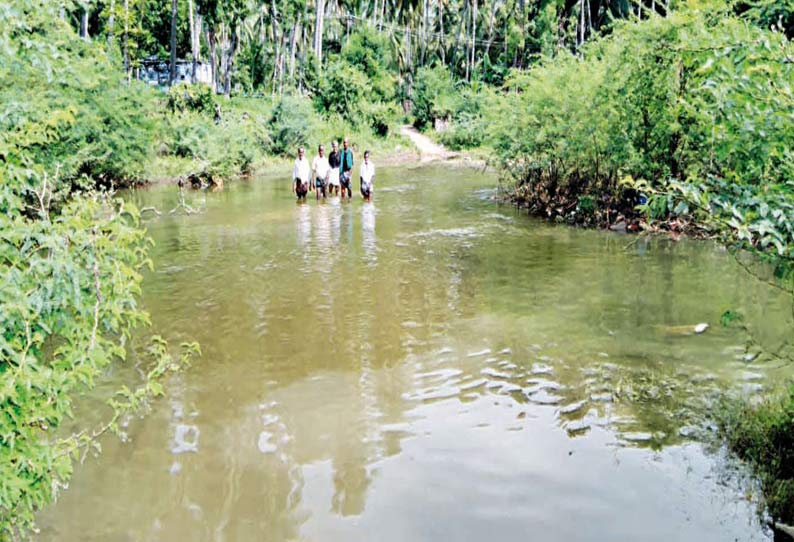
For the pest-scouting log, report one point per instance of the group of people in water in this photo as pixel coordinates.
(327, 176)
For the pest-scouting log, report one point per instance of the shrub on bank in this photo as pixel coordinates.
(379, 117)
(218, 150)
(199, 98)
(690, 113)
(434, 96)
(90, 127)
(290, 124)
(467, 131)
(70, 260)
(763, 436)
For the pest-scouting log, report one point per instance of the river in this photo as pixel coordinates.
(431, 366)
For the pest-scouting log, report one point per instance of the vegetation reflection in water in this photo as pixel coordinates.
(430, 365)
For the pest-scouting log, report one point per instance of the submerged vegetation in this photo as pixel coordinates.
(635, 115)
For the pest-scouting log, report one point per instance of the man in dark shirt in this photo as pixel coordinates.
(346, 169)
(334, 159)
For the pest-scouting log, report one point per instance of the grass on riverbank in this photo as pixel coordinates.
(762, 435)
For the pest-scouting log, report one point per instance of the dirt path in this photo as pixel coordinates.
(428, 150)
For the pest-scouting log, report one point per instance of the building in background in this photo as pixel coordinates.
(155, 72)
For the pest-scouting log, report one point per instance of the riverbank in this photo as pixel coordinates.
(403, 147)
(676, 123)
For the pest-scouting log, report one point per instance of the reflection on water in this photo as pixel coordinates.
(429, 366)
(368, 232)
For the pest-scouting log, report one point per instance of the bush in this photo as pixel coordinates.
(687, 108)
(465, 132)
(370, 52)
(234, 148)
(90, 124)
(70, 267)
(221, 150)
(763, 436)
(434, 96)
(342, 90)
(290, 124)
(198, 98)
(379, 117)
(188, 135)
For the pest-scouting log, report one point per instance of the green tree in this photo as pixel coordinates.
(70, 256)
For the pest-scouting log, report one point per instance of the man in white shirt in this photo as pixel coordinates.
(367, 175)
(321, 168)
(300, 175)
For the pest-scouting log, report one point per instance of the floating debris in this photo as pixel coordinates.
(185, 439)
(264, 444)
(701, 328)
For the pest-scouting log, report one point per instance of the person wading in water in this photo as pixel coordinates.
(320, 170)
(346, 168)
(301, 172)
(333, 173)
(367, 175)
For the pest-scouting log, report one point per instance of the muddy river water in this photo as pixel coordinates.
(428, 367)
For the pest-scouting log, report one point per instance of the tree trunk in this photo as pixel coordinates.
(458, 33)
(281, 63)
(172, 66)
(193, 41)
(318, 32)
(589, 20)
(293, 43)
(230, 52)
(468, 43)
(441, 26)
(473, 34)
(84, 22)
(506, 30)
(277, 42)
(223, 58)
(523, 5)
(213, 63)
(491, 22)
(111, 22)
(425, 16)
(126, 39)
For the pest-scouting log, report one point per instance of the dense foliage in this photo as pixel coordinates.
(688, 115)
(69, 266)
(64, 105)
